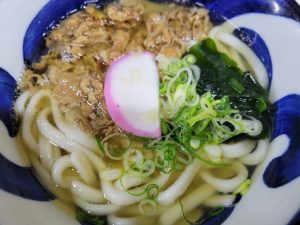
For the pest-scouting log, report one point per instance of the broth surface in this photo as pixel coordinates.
(81, 48)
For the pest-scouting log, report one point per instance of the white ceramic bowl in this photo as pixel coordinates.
(272, 29)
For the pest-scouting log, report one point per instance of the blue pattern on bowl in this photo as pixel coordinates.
(8, 87)
(285, 168)
(21, 180)
(13, 178)
(287, 8)
(216, 220)
(295, 220)
(50, 15)
(218, 13)
(56, 10)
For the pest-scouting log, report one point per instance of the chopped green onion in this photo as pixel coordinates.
(183, 214)
(243, 188)
(135, 163)
(138, 191)
(116, 145)
(178, 88)
(236, 85)
(165, 128)
(201, 116)
(148, 207)
(173, 68)
(183, 78)
(190, 58)
(224, 103)
(207, 106)
(169, 153)
(100, 144)
(183, 155)
(217, 210)
(262, 105)
(152, 191)
(165, 159)
(202, 112)
(163, 88)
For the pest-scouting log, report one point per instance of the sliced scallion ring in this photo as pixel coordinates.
(116, 145)
(148, 207)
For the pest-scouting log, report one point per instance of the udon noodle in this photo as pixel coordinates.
(61, 138)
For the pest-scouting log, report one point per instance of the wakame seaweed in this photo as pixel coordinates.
(85, 218)
(221, 76)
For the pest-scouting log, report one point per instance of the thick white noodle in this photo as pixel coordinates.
(222, 47)
(129, 211)
(128, 181)
(224, 28)
(87, 193)
(238, 149)
(174, 191)
(258, 155)
(82, 165)
(67, 164)
(160, 180)
(219, 200)
(238, 58)
(46, 180)
(78, 161)
(22, 101)
(114, 220)
(46, 152)
(29, 117)
(49, 142)
(254, 62)
(97, 209)
(192, 216)
(226, 185)
(223, 34)
(56, 152)
(73, 132)
(60, 139)
(189, 202)
(111, 174)
(58, 170)
(53, 134)
(122, 197)
(213, 150)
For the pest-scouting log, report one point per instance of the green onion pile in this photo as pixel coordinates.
(205, 99)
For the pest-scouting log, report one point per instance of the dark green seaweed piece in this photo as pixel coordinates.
(221, 76)
(88, 219)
